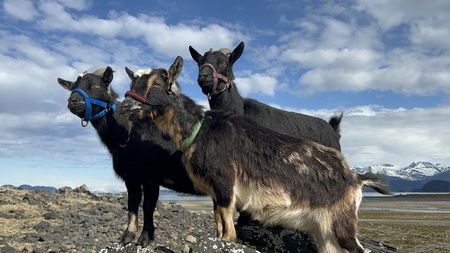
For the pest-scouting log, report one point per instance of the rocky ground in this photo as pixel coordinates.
(76, 220)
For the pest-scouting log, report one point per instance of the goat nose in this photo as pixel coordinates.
(126, 104)
(71, 100)
(203, 73)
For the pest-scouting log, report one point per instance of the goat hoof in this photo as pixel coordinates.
(127, 237)
(144, 239)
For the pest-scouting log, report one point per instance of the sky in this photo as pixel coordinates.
(385, 64)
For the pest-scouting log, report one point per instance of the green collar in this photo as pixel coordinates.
(188, 141)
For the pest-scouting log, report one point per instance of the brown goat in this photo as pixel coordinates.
(279, 179)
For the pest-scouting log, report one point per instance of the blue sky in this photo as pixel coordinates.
(385, 64)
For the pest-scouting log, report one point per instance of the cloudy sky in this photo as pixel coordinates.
(385, 64)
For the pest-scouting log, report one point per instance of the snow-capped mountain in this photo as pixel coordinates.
(415, 171)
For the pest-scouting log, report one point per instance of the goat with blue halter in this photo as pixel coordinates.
(141, 155)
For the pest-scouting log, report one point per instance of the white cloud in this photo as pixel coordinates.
(401, 135)
(256, 83)
(164, 39)
(78, 5)
(329, 49)
(391, 13)
(432, 33)
(347, 54)
(372, 134)
(20, 9)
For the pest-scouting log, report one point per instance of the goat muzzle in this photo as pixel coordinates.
(217, 76)
(89, 103)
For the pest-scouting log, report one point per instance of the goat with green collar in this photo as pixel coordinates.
(279, 179)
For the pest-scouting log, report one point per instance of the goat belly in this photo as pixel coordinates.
(274, 207)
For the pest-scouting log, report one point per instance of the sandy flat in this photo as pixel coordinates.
(405, 202)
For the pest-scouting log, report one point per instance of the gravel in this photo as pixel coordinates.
(76, 220)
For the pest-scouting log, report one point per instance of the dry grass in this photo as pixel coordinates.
(32, 214)
(414, 226)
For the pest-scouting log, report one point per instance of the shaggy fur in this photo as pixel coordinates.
(279, 179)
(295, 124)
(142, 155)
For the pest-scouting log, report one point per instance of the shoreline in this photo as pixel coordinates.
(405, 202)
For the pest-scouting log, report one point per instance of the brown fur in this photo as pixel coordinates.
(281, 180)
(171, 128)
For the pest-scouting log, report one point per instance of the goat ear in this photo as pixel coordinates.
(108, 75)
(175, 69)
(130, 73)
(68, 85)
(237, 52)
(195, 55)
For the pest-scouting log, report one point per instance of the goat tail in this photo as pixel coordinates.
(376, 182)
(335, 122)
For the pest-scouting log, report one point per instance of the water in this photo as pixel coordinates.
(376, 194)
(165, 194)
(171, 195)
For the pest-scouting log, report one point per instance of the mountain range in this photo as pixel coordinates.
(410, 178)
(29, 187)
(417, 177)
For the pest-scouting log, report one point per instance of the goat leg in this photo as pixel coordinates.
(225, 223)
(134, 198)
(151, 194)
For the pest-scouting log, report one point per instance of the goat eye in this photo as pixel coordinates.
(223, 64)
(97, 86)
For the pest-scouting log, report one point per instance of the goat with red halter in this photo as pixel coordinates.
(142, 156)
(279, 179)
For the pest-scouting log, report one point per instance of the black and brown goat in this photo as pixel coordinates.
(216, 81)
(142, 156)
(279, 179)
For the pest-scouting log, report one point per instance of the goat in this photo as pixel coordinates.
(142, 156)
(279, 179)
(216, 77)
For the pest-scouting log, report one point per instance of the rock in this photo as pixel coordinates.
(285, 240)
(27, 248)
(74, 222)
(51, 216)
(214, 245)
(191, 239)
(8, 249)
(64, 190)
(43, 225)
(31, 199)
(82, 189)
(274, 239)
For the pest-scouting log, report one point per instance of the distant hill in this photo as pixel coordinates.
(410, 178)
(413, 177)
(435, 186)
(29, 187)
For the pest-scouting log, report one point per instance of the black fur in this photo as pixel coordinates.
(295, 124)
(231, 153)
(263, 149)
(141, 155)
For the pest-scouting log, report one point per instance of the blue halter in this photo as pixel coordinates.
(93, 101)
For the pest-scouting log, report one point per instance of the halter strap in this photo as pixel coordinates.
(94, 101)
(217, 76)
(137, 97)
